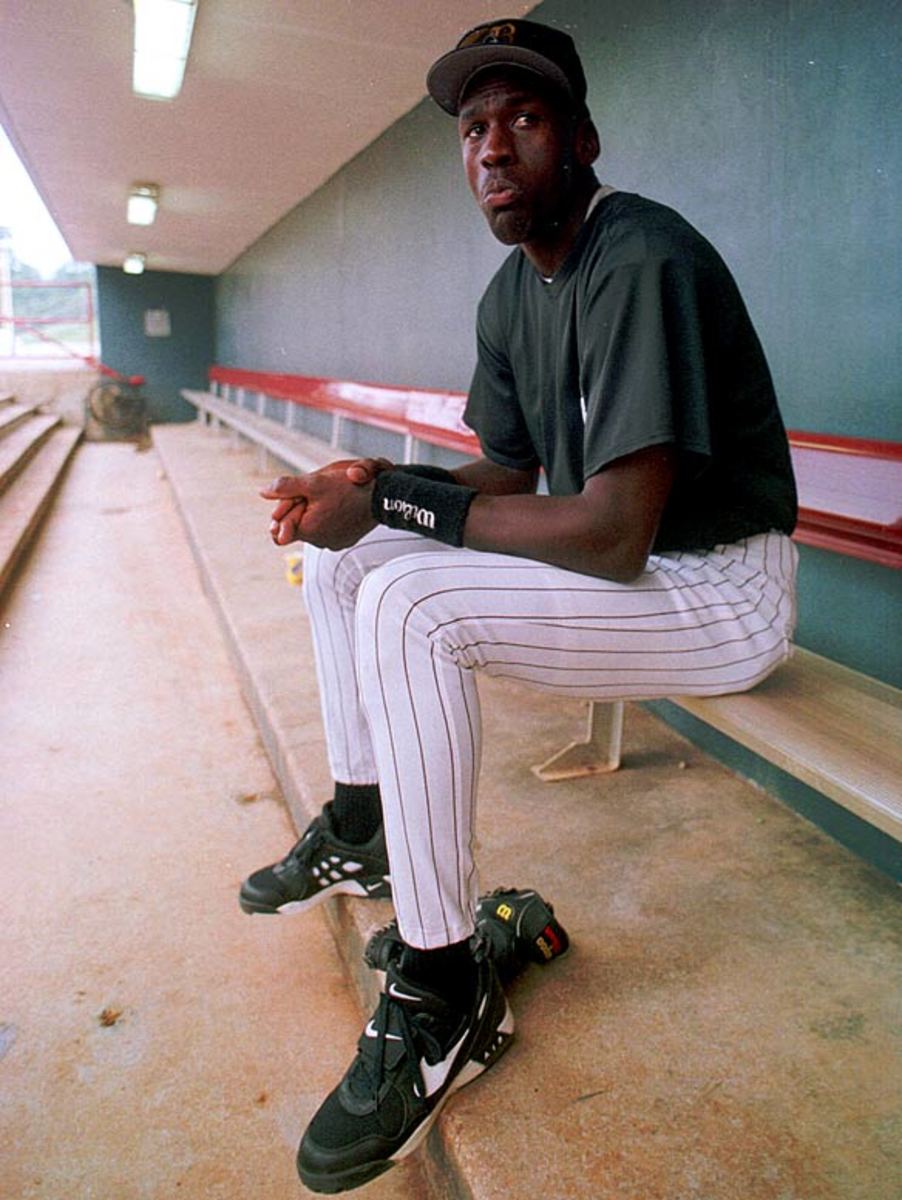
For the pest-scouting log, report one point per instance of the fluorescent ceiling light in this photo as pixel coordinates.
(134, 264)
(143, 199)
(163, 31)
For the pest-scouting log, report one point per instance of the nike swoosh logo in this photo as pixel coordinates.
(395, 991)
(372, 1032)
(434, 1075)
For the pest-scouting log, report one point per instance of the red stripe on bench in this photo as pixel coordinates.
(424, 413)
(850, 495)
(850, 489)
(837, 444)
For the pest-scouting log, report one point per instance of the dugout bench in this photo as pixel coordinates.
(832, 728)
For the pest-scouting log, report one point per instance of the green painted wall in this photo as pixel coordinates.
(773, 127)
(851, 611)
(168, 363)
(375, 277)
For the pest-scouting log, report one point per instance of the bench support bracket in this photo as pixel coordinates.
(595, 754)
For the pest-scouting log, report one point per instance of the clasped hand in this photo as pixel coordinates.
(329, 508)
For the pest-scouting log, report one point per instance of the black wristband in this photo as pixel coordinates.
(425, 471)
(434, 508)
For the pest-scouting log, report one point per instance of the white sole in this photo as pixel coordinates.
(344, 887)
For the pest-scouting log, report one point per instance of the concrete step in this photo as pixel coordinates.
(6, 398)
(13, 414)
(24, 441)
(26, 500)
(727, 1012)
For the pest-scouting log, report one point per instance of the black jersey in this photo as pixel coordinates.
(641, 339)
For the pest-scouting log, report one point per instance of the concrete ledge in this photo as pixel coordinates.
(724, 1026)
(27, 497)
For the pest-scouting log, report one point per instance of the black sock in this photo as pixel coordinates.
(448, 970)
(356, 811)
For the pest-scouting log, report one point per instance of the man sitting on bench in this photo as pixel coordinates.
(614, 353)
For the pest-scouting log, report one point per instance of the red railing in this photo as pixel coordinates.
(850, 489)
(424, 413)
(850, 495)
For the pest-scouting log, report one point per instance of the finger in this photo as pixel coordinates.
(360, 473)
(365, 470)
(286, 531)
(285, 487)
(288, 513)
(284, 507)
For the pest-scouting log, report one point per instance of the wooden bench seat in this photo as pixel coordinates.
(297, 450)
(832, 728)
(836, 730)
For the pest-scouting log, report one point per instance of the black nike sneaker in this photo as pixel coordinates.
(516, 925)
(414, 1053)
(320, 865)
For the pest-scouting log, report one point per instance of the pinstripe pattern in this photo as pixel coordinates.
(403, 624)
(330, 592)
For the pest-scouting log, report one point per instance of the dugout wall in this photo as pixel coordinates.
(159, 324)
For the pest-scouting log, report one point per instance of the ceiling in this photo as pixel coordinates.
(278, 95)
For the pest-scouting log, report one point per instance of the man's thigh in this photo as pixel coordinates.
(344, 569)
(691, 623)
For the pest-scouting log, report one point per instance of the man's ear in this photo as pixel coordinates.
(588, 143)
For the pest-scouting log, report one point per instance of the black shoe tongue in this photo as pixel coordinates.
(391, 1018)
(368, 1044)
(407, 990)
(405, 1003)
(416, 998)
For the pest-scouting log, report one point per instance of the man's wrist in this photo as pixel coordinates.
(435, 508)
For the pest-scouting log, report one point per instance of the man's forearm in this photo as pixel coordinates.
(490, 479)
(560, 530)
(607, 530)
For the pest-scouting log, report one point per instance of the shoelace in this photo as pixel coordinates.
(394, 1018)
(301, 852)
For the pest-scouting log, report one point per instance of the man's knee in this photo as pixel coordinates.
(415, 597)
(331, 573)
(341, 572)
(383, 585)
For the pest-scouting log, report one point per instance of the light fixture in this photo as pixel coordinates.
(143, 199)
(163, 31)
(134, 264)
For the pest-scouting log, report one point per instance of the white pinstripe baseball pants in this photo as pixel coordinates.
(401, 624)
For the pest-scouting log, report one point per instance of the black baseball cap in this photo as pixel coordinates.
(510, 43)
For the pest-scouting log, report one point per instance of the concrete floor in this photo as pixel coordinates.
(154, 1041)
(726, 1026)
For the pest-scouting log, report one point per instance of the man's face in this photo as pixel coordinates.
(518, 152)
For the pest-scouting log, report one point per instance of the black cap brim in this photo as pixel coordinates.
(448, 77)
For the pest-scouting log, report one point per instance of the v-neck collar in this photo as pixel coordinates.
(552, 284)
